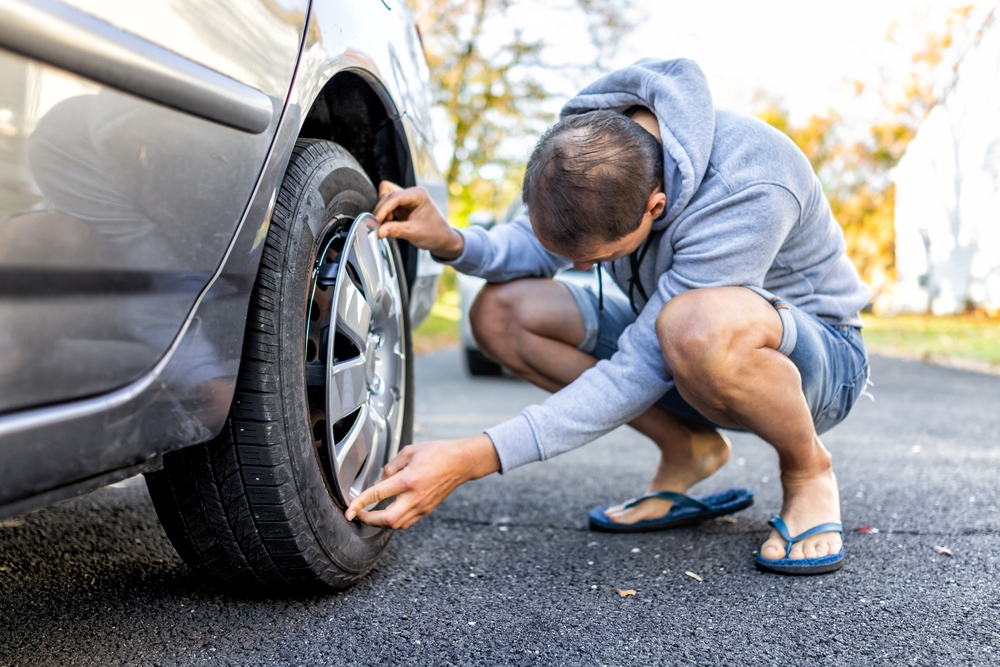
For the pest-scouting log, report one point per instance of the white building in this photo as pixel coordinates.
(948, 194)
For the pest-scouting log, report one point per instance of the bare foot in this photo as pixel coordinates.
(682, 465)
(809, 501)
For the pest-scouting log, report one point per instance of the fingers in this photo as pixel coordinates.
(407, 199)
(390, 230)
(380, 519)
(397, 463)
(385, 187)
(375, 494)
(398, 515)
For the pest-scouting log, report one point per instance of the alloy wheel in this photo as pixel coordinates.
(355, 356)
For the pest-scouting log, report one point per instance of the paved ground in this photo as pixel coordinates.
(505, 571)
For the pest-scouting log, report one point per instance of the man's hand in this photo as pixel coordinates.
(410, 214)
(423, 475)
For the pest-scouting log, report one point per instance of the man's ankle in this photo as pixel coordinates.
(819, 465)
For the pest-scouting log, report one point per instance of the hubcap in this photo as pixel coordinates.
(355, 356)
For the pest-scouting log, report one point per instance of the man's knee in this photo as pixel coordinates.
(494, 316)
(700, 334)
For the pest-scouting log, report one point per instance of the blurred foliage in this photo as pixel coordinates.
(440, 329)
(435, 333)
(973, 337)
(855, 174)
(488, 83)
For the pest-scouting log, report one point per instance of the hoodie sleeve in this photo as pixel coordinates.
(506, 252)
(733, 242)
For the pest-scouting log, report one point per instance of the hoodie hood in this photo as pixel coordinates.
(677, 92)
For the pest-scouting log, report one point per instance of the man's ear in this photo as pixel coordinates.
(656, 204)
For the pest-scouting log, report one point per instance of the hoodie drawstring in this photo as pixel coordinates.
(635, 259)
(600, 291)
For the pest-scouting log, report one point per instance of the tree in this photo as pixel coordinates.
(488, 79)
(855, 173)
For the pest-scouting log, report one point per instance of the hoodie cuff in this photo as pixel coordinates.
(473, 252)
(515, 443)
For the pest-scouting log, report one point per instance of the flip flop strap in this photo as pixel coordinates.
(779, 525)
(679, 499)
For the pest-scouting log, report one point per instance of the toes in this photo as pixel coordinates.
(773, 548)
(816, 547)
(772, 552)
(823, 549)
(618, 517)
(612, 512)
(653, 508)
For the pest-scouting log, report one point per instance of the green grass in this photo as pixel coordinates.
(967, 337)
(440, 329)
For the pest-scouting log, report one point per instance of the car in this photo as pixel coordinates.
(191, 286)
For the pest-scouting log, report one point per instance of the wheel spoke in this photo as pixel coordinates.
(367, 260)
(373, 468)
(353, 313)
(352, 451)
(346, 388)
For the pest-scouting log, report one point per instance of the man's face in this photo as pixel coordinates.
(609, 251)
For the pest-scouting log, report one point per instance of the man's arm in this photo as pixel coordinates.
(504, 253)
(410, 214)
(421, 476)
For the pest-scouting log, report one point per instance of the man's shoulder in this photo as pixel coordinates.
(747, 151)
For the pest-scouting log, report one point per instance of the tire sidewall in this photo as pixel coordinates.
(332, 187)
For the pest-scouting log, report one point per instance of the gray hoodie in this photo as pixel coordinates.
(743, 208)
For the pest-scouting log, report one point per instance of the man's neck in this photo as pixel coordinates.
(647, 121)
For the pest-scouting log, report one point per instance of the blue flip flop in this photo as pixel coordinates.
(786, 565)
(684, 512)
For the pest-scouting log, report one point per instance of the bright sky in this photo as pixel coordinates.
(805, 53)
(800, 51)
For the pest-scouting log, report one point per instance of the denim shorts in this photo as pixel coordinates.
(831, 358)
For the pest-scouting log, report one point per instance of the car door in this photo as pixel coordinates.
(132, 135)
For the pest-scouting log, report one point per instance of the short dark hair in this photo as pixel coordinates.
(589, 178)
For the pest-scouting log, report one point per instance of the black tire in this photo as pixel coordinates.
(253, 509)
(479, 364)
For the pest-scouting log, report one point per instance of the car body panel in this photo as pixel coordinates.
(185, 397)
(121, 208)
(54, 33)
(255, 42)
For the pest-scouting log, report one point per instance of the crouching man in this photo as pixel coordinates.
(738, 310)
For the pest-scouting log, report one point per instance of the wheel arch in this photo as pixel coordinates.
(355, 110)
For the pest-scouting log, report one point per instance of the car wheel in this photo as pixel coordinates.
(479, 364)
(323, 400)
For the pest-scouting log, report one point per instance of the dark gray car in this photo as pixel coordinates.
(190, 284)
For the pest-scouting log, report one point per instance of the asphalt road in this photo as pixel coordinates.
(505, 571)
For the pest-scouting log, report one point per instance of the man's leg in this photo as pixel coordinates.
(721, 347)
(533, 327)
